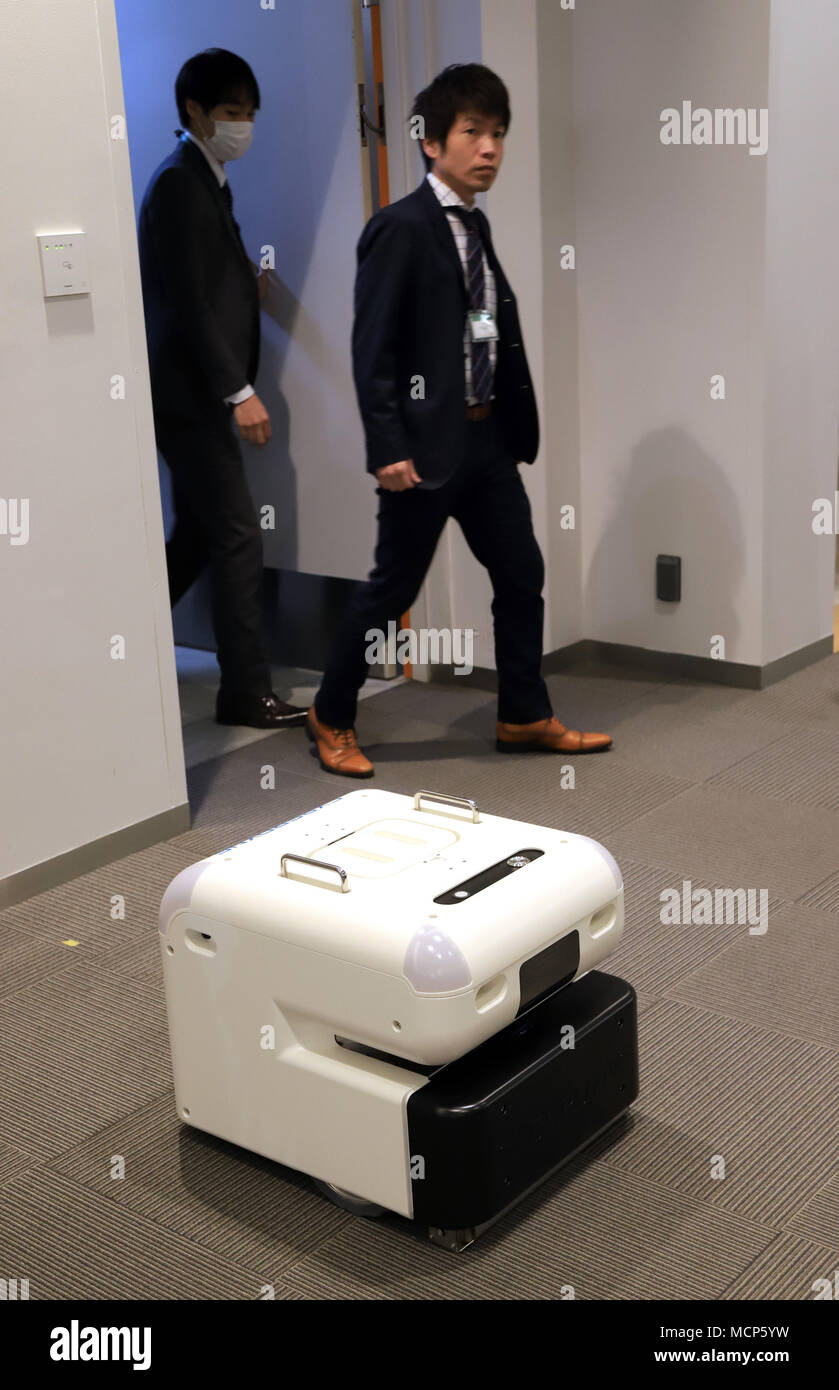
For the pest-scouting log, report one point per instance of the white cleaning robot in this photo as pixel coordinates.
(396, 995)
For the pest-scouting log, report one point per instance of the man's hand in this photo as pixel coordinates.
(253, 421)
(262, 285)
(398, 477)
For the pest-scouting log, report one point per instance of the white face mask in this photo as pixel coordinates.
(231, 139)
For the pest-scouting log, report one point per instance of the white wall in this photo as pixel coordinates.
(697, 260)
(88, 745)
(802, 321)
(555, 312)
(671, 245)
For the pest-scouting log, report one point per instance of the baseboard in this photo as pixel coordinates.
(796, 661)
(16, 888)
(667, 665)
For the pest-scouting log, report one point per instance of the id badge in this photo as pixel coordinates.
(482, 325)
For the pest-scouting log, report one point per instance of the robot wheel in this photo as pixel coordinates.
(347, 1200)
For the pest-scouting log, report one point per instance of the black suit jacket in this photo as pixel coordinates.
(199, 289)
(410, 305)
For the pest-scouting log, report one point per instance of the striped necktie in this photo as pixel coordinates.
(481, 365)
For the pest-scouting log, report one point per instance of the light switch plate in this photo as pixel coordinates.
(64, 263)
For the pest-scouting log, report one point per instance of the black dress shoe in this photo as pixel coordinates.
(260, 712)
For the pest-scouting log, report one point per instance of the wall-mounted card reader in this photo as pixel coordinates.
(668, 578)
(64, 263)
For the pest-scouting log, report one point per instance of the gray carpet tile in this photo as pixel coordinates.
(135, 953)
(765, 1102)
(472, 731)
(416, 743)
(220, 786)
(82, 908)
(800, 768)
(704, 697)
(443, 704)
(690, 742)
(81, 911)
(58, 913)
(523, 785)
(634, 693)
(601, 1232)
(786, 980)
(824, 896)
(655, 955)
(70, 1244)
(12, 1162)
(528, 786)
(204, 740)
(787, 1270)
(818, 1218)
(388, 738)
(257, 1213)
(735, 840)
(576, 698)
(809, 696)
(644, 1000)
(87, 1047)
(587, 680)
(737, 1055)
(602, 707)
(25, 960)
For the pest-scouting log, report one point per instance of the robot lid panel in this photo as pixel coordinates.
(365, 828)
(386, 847)
(424, 857)
(318, 826)
(372, 920)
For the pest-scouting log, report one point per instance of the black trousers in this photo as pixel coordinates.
(487, 498)
(216, 526)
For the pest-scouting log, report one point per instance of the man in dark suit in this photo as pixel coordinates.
(201, 298)
(448, 410)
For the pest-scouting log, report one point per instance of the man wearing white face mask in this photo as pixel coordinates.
(201, 298)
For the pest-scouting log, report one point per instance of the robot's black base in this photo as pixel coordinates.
(490, 1126)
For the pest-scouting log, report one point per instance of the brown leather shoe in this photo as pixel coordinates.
(337, 749)
(547, 736)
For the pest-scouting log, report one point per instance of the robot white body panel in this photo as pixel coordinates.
(320, 975)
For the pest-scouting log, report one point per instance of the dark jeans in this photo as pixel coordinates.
(216, 526)
(487, 498)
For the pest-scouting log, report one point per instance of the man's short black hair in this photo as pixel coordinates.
(212, 78)
(459, 88)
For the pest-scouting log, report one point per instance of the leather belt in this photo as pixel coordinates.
(478, 412)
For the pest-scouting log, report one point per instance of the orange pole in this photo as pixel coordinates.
(384, 191)
(379, 77)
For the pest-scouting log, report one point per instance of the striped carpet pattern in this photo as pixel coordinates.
(723, 1183)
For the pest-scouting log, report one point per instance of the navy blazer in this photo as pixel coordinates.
(407, 343)
(199, 289)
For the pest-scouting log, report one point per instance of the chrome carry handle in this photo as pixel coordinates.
(449, 801)
(318, 864)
